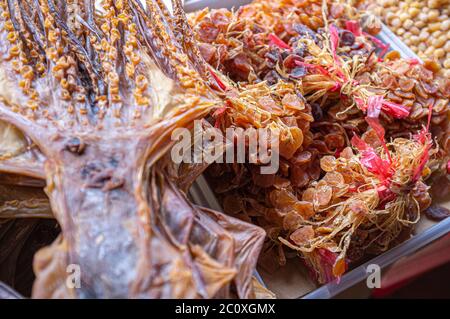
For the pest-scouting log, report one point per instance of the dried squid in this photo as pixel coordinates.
(96, 93)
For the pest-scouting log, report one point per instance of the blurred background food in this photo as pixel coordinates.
(423, 25)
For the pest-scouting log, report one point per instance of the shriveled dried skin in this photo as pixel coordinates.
(223, 244)
(216, 242)
(177, 221)
(248, 242)
(176, 213)
(228, 241)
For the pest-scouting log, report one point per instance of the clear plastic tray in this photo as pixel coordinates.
(202, 194)
(7, 293)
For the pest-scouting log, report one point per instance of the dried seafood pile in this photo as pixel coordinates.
(89, 97)
(363, 130)
(90, 93)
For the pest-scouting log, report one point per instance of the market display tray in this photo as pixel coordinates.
(293, 282)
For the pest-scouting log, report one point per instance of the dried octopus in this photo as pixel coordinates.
(91, 96)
